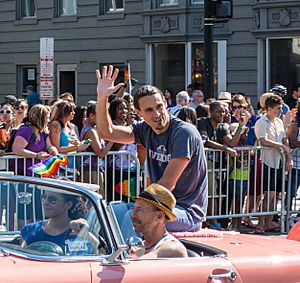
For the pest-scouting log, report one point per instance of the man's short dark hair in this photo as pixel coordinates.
(273, 101)
(215, 105)
(145, 90)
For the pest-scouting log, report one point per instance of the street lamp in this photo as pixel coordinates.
(214, 11)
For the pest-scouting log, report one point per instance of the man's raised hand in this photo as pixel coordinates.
(106, 81)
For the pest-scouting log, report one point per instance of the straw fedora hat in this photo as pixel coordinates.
(225, 96)
(161, 198)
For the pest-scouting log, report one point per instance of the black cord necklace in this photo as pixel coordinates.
(153, 245)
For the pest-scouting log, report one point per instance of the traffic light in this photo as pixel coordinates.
(222, 9)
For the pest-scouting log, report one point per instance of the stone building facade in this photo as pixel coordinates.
(161, 39)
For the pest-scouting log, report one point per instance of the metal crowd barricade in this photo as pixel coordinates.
(15, 199)
(293, 183)
(225, 201)
(227, 175)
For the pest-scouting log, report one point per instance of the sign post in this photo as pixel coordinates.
(46, 68)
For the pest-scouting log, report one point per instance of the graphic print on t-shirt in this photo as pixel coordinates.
(160, 155)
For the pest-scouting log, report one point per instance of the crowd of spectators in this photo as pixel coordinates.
(229, 123)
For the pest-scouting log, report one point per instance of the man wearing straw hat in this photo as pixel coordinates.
(152, 210)
(175, 152)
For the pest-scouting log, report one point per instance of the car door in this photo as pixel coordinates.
(205, 269)
(31, 271)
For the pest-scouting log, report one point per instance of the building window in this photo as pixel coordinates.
(26, 75)
(169, 66)
(114, 5)
(26, 9)
(67, 7)
(284, 62)
(193, 2)
(168, 2)
(198, 65)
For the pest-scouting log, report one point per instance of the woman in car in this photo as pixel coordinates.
(63, 225)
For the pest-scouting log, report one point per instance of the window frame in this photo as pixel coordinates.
(20, 5)
(113, 10)
(168, 4)
(59, 9)
(197, 3)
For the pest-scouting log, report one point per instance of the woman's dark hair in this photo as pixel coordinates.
(91, 109)
(78, 117)
(78, 208)
(127, 97)
(172, 94)
(114, 105)
(202, 111)
(188, 114)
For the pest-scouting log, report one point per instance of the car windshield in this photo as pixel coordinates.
(44, 220)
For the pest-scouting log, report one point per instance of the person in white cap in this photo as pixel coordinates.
(152, 210)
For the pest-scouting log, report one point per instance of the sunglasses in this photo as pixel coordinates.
(238, 107)
(2, 111)
(50, 199)
(20, 107)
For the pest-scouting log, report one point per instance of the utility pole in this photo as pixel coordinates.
(208, 49)
(219, 11)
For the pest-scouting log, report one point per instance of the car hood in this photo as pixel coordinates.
(236, 244)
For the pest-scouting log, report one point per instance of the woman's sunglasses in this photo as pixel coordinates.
(20, 107)
(238, 107)
(2, 111)
(50, 199)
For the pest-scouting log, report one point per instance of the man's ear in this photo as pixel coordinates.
(138, 112)
(160, 215)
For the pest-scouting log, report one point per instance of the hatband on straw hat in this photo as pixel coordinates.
(161, 198)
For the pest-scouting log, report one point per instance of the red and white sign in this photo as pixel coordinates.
(46, 68)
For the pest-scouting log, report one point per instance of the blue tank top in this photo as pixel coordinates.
(64, 141)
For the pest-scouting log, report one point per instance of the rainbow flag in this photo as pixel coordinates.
(49, 167)
(125, 191)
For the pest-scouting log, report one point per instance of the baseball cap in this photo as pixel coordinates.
(29, 87)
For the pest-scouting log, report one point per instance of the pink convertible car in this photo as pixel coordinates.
(91, 241)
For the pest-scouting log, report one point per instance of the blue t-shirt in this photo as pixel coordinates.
(34, 232)
(179, 140)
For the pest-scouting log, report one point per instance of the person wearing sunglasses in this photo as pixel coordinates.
(240, 111)
(64, 134)
(64, 223)
(6, 119)
(153, 208)
(20, 112)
